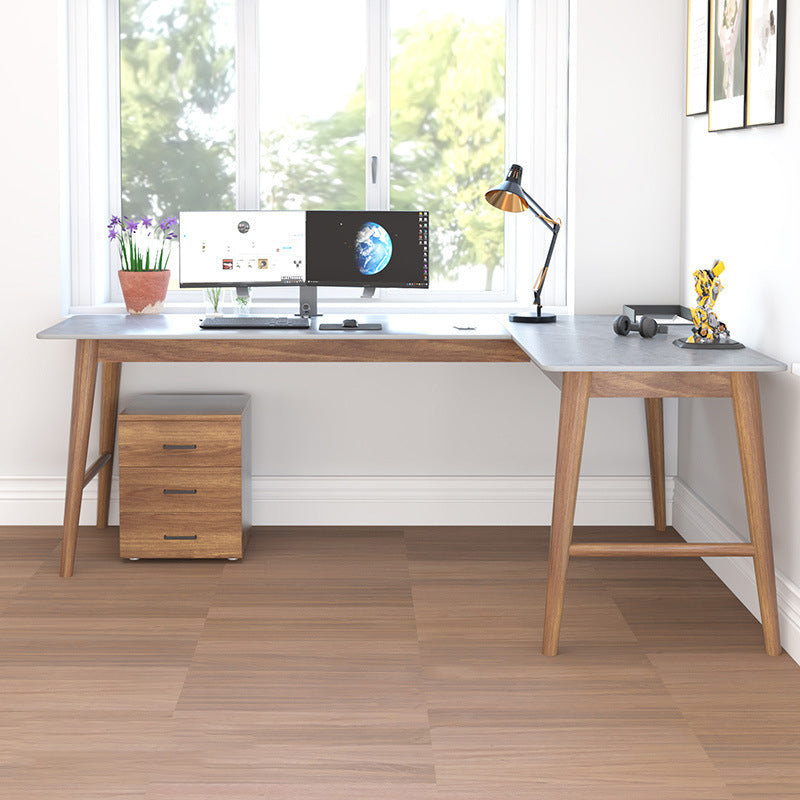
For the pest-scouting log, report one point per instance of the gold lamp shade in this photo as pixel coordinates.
(509, 195)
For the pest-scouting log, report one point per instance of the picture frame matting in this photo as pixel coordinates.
(727, 64)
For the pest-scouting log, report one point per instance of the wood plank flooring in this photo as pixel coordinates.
(401, 664)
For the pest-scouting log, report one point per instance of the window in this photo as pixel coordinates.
(177, 106)
(379, 104)
(312, 105)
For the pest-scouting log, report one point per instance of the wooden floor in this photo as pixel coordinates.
(383, 664)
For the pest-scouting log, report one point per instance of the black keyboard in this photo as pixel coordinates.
(255, 322)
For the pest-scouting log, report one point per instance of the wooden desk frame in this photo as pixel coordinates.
(112, 353)
(576, 389)
(742, 388)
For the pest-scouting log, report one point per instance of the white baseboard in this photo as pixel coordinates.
(402, 500)
(697, 522)
(446, 501)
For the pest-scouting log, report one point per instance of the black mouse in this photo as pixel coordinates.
(349, 323)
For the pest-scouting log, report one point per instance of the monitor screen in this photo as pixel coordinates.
(367, 248)
(242, 248)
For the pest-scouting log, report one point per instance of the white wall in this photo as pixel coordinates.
(626, 124)
(397, 421)
(741, 204)
(36, 377)
(626, 97)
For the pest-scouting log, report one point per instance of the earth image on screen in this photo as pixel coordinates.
(373, 248)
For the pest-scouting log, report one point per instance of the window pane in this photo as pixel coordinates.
(448, 132)
(312, 104)
(178, 109)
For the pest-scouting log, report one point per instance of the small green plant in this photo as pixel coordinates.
(143, 245)
(242, 301)
(214, 295)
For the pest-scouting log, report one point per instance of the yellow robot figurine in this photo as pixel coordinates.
(707, 328)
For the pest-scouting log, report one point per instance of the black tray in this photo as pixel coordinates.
(638, 311)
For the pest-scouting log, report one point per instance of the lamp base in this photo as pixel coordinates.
(531, 316)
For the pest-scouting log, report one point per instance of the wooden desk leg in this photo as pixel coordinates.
(82, 400)
(654, 413)
(109, 404)
(571, 428)
(747, 413)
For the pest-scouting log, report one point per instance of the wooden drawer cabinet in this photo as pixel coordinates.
(184, 476)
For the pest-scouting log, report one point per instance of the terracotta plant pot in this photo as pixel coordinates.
(144, 292)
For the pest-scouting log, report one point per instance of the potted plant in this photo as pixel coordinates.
(144, 250)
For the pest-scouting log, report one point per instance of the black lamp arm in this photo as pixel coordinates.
(540, 212)
(537, 287)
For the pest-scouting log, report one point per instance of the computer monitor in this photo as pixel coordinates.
(367, 248)
(242, 248)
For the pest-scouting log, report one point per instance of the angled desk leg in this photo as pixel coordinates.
(747, 413)
(654, 413)
(571, 428)
(109, 405)
(82, 400)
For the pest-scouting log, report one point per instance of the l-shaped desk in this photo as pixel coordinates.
(579, 354)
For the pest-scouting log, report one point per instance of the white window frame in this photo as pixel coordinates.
(536, 138)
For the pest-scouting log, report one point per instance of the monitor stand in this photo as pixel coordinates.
(308, 308)
(308, 302)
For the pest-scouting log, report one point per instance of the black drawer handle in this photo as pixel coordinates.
(180, 491)
(168, 537)
(179, 446)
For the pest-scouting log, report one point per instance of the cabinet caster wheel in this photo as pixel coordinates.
(233, 558)
(133, 558)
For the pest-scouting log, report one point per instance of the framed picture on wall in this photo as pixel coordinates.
(697, 57)
(727, 64)
(766, 54)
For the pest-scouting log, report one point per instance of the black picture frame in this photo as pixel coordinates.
(766, 57)
(697, 37)
(727, 64)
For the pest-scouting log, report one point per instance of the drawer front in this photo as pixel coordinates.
(163, 535)
(187, 490)
(167, 443)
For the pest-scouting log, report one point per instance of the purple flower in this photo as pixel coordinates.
(134, 256)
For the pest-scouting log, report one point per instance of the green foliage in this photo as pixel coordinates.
(174, 78)
(214, 294)
(448, 136)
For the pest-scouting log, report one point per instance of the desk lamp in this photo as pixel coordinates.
(510, 196)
